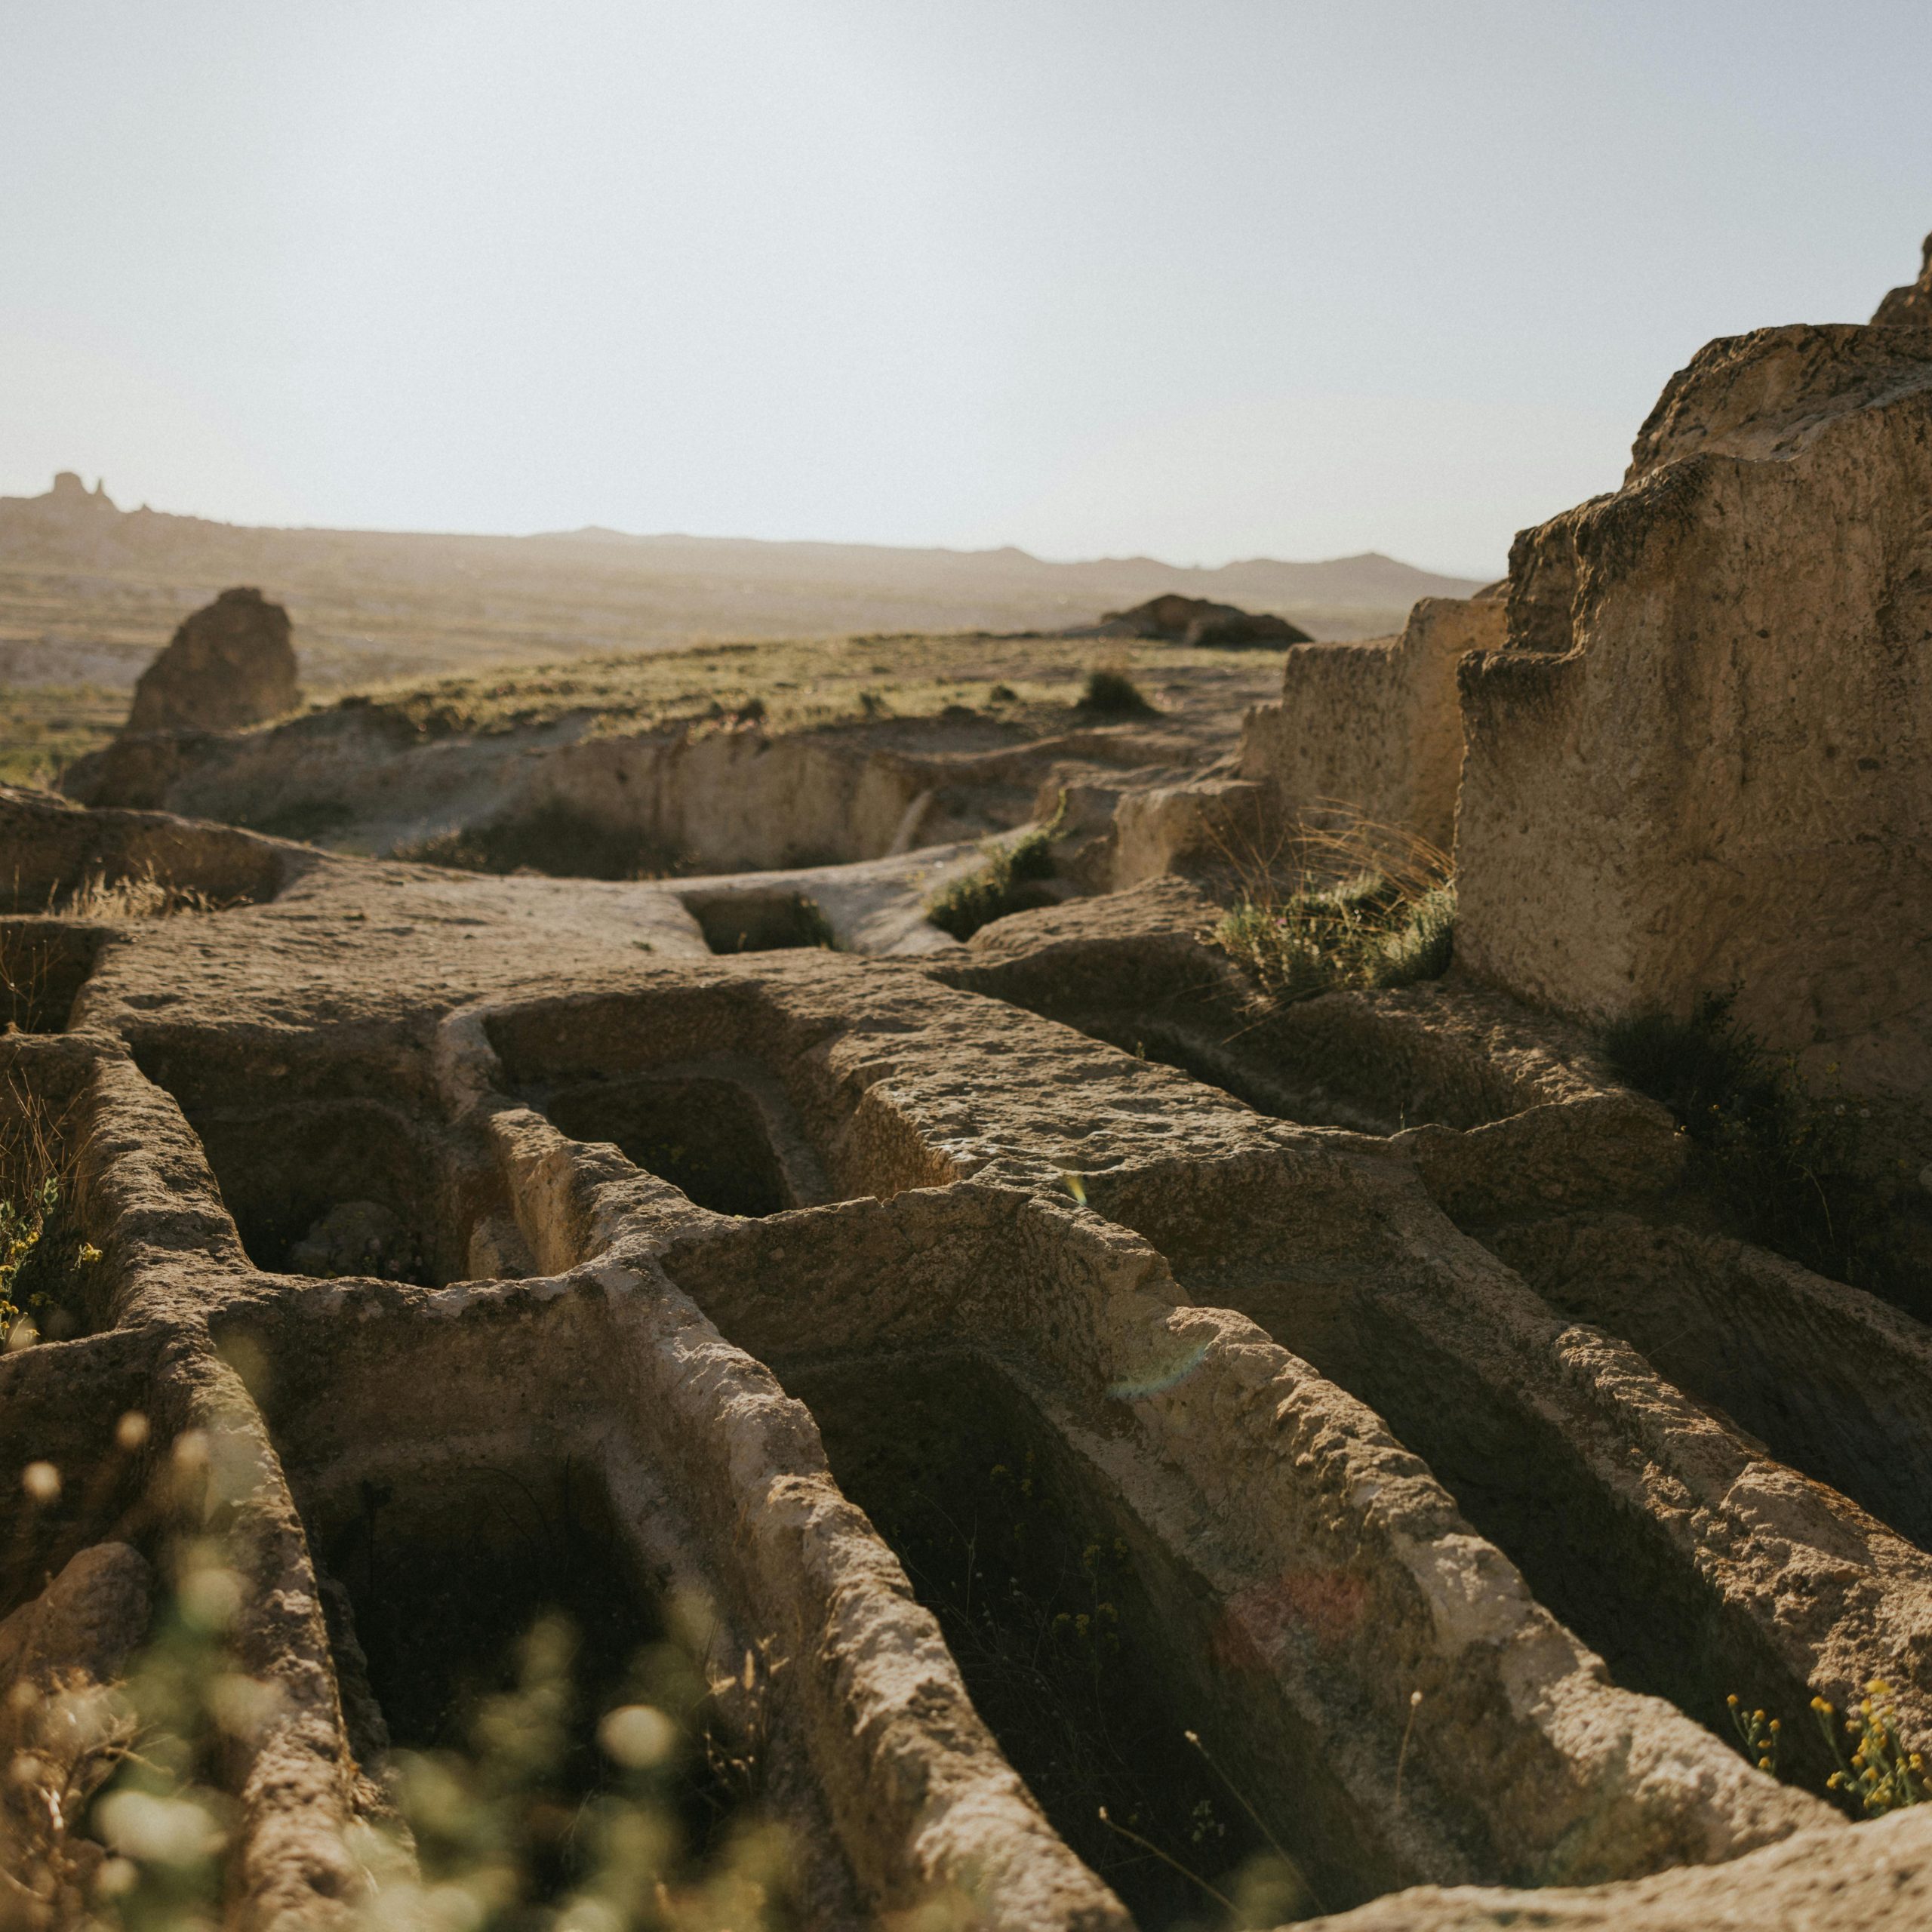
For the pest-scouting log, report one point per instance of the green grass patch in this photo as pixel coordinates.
(44, 728)
(1370, 930)
(44, 1256)
(786, 684)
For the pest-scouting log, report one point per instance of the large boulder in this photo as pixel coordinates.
(1699, 760)
(1173, 619)
(229, 665)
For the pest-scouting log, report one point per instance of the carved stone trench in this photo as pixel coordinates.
(1436, 1481)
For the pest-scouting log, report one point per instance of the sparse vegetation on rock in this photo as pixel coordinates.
(1792, 1168)
(1007, 881)
(1364, 905)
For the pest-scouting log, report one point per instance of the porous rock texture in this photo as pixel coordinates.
(228, 665)
(1373, 731)
(1698, 761)
(1434, 1466)
(742, 1267)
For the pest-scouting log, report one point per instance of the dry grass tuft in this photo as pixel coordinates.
(1349, 904)
(142, 895)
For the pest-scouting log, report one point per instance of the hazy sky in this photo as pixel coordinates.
(1204, 278)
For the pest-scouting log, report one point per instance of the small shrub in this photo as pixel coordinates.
(1111, 693)
(1760, 1735)
(1881, 1774)
(1000, 885)
(21, 1221)
(1788, 1168)
(1002, 694)
(1370, 930)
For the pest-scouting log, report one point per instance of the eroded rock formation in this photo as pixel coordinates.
(704, 1256)
(1372, 731)
(230, 664)
(1700, 760)
(1375, 1378)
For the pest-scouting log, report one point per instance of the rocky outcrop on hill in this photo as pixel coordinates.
(1174, 619)
(70, 498)
(228, 665)
(1911, 305)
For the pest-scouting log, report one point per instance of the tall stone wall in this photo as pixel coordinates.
(1373, 728)
(1700, 758)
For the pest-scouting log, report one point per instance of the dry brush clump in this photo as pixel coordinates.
(1111, 692)
(1352, 904)
(142, 893)
(1791, 1167)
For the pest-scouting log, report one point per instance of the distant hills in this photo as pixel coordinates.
(88, 592)
(1369, 581)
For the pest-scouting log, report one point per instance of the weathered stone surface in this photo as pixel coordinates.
(1880, 1875)
(1373, 732)
(1450, 1467)
(1700, 760)
(1447, 1458)
(230, 664)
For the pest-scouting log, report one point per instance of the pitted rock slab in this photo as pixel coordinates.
(1263, 1352)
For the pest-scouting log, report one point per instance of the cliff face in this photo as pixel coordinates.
(1699, 761)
